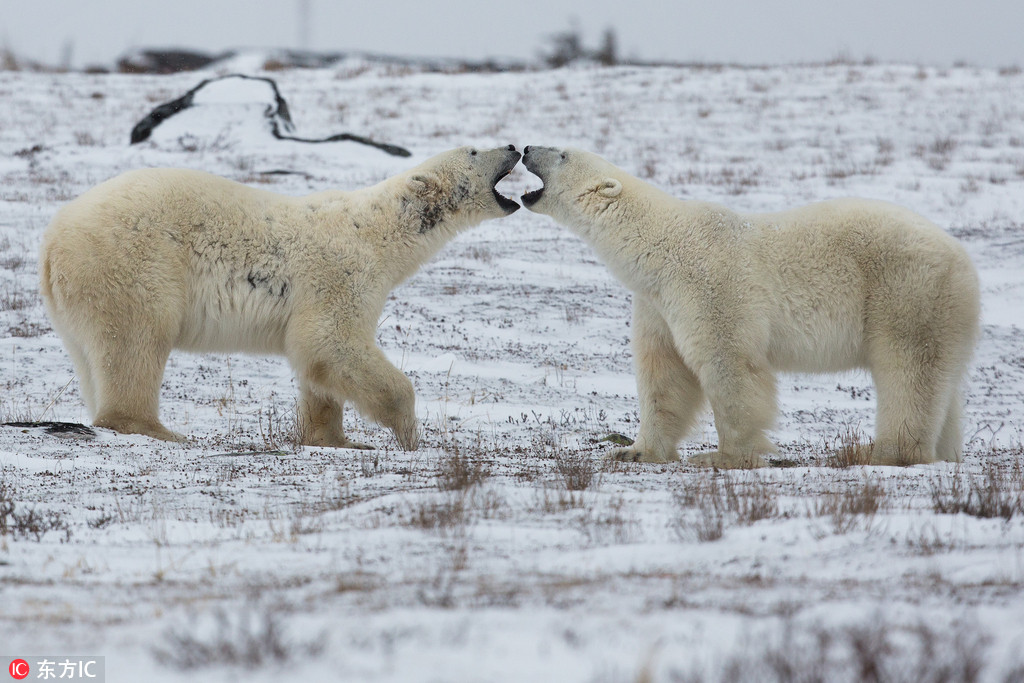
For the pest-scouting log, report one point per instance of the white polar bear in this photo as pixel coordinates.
(724, 300)
(163, 259)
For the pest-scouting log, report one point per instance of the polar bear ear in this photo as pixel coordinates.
(610, 188)
(422, 183)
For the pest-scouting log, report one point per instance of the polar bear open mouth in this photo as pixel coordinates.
(532, 197)
(508, 205)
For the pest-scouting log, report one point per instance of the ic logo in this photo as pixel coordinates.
(18, 669)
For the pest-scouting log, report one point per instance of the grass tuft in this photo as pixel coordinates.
(576, 469)
(459, 471)
(850, 451)
(30, 523)
(252, 639)
(993, 493)
(871, 650)
(851, 505)
(720, 499)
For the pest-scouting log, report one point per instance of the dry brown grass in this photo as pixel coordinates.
(609, 522)
(253, 638)
(442, 515)
(16, 299)
(459, 470)
(28, 523)
(720, 499)
(996, 492)
(871, 650)
(850, 506)
(554, 500)
(576, 469)
(849, 449)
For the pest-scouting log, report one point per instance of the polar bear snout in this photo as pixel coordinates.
(539, 161)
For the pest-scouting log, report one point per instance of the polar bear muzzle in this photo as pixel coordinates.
(539, 161)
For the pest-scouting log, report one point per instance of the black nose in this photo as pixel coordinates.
(526, 150)
(511, 148)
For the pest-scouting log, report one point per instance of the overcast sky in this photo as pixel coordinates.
(937, 32)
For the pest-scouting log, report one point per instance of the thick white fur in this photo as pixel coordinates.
(163, 259)
(723, 300)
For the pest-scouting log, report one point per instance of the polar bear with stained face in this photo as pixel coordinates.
(162, 259)
(722, 301)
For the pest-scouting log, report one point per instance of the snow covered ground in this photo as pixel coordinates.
(506, 549)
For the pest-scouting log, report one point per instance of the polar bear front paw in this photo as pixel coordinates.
(146, 427)
(633, 454)
(356, 445)
(726, 461)
(328, 436)
(624, 455)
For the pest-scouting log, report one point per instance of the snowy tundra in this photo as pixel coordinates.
(506, 548)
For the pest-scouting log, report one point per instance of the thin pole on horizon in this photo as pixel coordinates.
(304, 24)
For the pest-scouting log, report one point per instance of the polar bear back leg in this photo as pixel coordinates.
(964, 331)
(62, 320)
(908, 407)
(127, 376)
(119, 320)
(950, 444)
(913, 401)
(918, 389)
(84, 372)
(920, 341)
(669, 392)
(951, 439)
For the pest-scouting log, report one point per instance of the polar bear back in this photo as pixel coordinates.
(834, 272)
(221, 254)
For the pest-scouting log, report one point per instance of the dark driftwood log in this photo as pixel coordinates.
(56, 428)
(274, 113)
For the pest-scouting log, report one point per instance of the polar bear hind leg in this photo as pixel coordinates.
(916, 391)
(128, 386)
(919, 410)
(918, 362)
(84, 372)
(908, 418)
(119, 337)
(951, 438)
(670, 394)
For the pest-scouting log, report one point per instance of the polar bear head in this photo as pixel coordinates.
(578, 186)
(456, 188)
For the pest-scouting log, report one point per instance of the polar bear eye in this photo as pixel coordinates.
(472, 152)
(563, 156)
